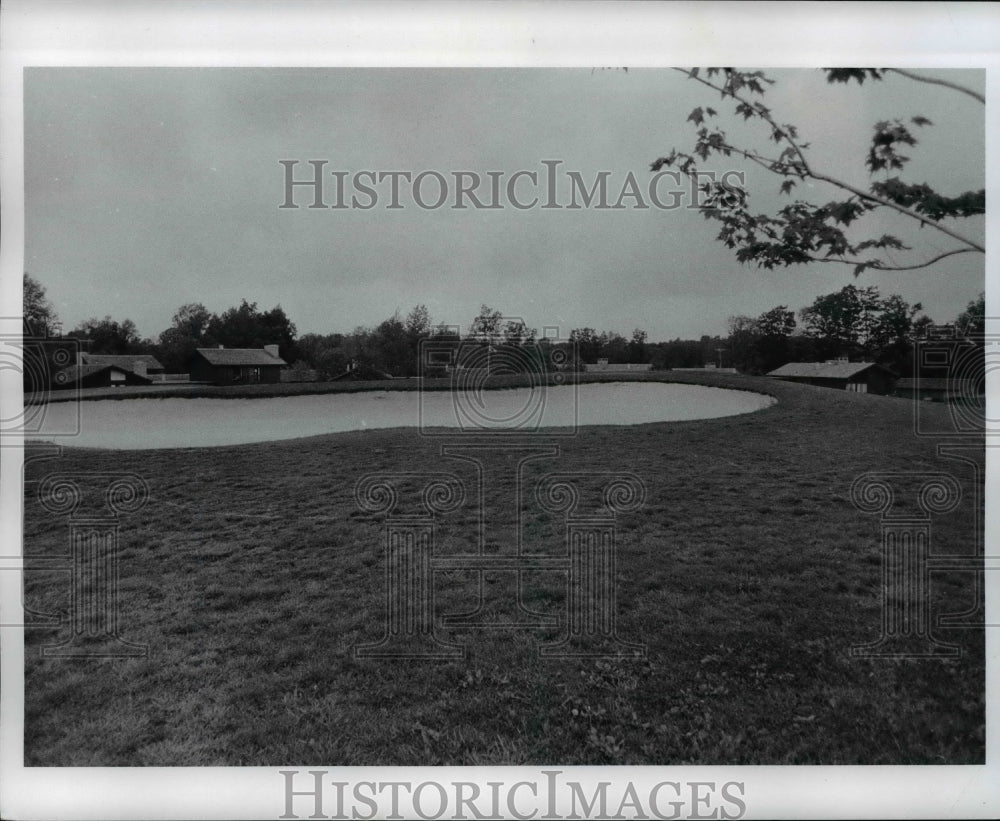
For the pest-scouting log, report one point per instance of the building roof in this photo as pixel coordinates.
(240, 356)
(825, 370)
(74, 373)
(127, 361)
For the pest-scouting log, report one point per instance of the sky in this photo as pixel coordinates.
(149, 188)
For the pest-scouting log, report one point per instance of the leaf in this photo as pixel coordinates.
(845, 75)
(787, 186)
(918, 120)
(697, 116)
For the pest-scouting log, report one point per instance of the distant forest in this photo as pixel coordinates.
(858, 323)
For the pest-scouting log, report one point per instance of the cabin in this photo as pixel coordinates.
(108, 371)
(603, 366)
(141, 364)
(98, 376)
(840, 374)
(938, 389)
(237, 366)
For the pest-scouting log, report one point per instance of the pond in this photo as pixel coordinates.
(131, 424)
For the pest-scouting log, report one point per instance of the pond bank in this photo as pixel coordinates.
(188, 390)
(153, 423)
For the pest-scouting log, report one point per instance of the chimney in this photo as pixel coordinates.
(272, 350)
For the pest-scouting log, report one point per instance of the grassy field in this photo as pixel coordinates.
(748, 574)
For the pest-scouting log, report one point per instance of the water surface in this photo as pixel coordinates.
(131, 424)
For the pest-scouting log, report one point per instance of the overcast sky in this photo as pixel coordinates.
(150, 188)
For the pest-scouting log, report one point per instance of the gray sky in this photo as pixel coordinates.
(150, 188)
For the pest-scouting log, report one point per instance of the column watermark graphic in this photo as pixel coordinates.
(498, 452)
(93, 615)
(952, 367)
(907, 561)
(588, 564)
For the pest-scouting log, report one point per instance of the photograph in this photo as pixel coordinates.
(501, 416)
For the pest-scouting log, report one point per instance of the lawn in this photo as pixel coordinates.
(748, 574)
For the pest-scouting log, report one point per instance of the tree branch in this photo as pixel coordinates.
(724, 92)
(897, 207)
(809, 172)
(938, 82)
(880, 267)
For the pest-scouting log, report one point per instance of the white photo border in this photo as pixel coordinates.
(112, 33)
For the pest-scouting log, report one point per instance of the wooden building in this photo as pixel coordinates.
(141, 364)
(237, 366)
(938, 389)
(859, 377)
(98, 376)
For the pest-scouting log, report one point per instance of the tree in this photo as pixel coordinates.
(192, 320)
(895, 332)
(178, 343)
(418, 322)
(516, 333)
(418, 329)
(587, 344)
(247, 327)
(742, 342)
(487, 326)
(778, 322)
(859, 322)
(972, 321)
(842, 320)
(772, 347)
(614, 346)
(894, 324)
(391, 347)
(38, 311)
(803, 232)
(108, 336)
(637, 347)
(324, 353)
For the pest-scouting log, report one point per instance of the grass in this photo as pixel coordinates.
(748, 574)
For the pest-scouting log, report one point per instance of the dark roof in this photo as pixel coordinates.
(74, 373)
(240, 356)
(825, 370)
(125, 361)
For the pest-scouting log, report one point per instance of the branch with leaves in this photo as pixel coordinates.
(802, 232)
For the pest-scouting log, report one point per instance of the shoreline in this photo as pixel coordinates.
(502, 382)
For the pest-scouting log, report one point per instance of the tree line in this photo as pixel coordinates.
(857, 323)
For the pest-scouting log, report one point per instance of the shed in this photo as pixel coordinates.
(603, 366)
(237, 366)
(141, 364)
(858, 377)
(98, 376)
(939, 389)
